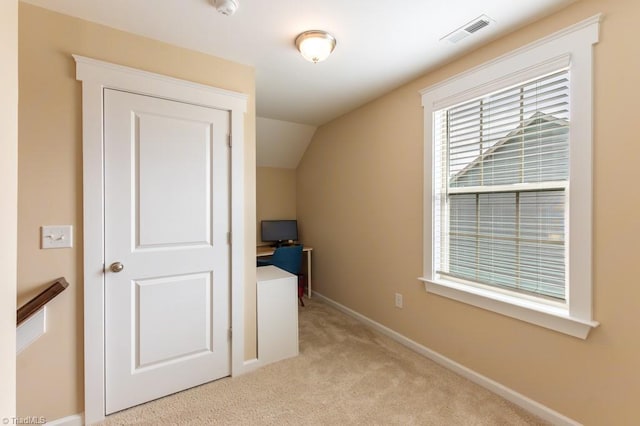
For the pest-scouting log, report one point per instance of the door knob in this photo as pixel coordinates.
(116, 267)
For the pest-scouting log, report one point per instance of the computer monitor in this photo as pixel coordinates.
(279, 231)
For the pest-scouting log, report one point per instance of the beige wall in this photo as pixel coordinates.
(9, 210)
(50, 372)
(360, 197)
(275, 195)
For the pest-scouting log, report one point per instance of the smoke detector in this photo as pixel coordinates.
(226, 7)
(468, 29)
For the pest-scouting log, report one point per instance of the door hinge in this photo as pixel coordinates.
(229, 140)
(229, 237)
(230, 333)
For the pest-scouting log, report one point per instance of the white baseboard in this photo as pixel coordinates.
(251, 365)
(30, 330)
(75, 420)
(528, 404)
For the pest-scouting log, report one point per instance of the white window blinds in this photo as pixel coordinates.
(501, 171)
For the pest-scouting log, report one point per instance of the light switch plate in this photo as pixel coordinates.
(56, 236)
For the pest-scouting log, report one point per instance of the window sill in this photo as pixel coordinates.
(550, 317)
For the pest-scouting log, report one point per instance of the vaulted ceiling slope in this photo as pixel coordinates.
(281, 144)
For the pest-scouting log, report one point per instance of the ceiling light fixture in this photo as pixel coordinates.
(315, 45)
(226, 7)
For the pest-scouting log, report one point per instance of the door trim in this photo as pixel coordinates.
(96, 76)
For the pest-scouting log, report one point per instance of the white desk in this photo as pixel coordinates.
(277, 314)
(268, 251)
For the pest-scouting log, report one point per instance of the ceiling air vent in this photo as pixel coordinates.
(469, 28)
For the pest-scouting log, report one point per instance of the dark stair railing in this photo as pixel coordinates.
(47, 295)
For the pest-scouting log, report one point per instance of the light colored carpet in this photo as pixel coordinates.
(346, 374)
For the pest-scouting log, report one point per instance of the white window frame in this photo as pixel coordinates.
(571, 46)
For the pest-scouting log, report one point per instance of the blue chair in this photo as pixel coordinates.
(288, 258)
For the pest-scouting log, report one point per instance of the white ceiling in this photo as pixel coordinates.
(381, 43)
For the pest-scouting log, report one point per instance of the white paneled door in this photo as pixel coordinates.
(166, 247)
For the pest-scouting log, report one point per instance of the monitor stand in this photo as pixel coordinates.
(283, 243)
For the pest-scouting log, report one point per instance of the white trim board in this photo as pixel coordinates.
(74, 420)
(96, 76)
(520, 400)
(31, 330)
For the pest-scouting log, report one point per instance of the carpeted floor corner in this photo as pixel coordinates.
(346, 374)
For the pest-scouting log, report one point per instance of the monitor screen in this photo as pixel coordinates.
(278, 231)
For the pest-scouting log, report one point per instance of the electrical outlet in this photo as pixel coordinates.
(398, 300)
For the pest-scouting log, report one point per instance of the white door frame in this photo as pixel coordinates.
(96, 76)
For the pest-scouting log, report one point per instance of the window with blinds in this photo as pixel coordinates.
(501, 175)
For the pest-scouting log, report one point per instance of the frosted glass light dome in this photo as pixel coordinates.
(315, 45)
